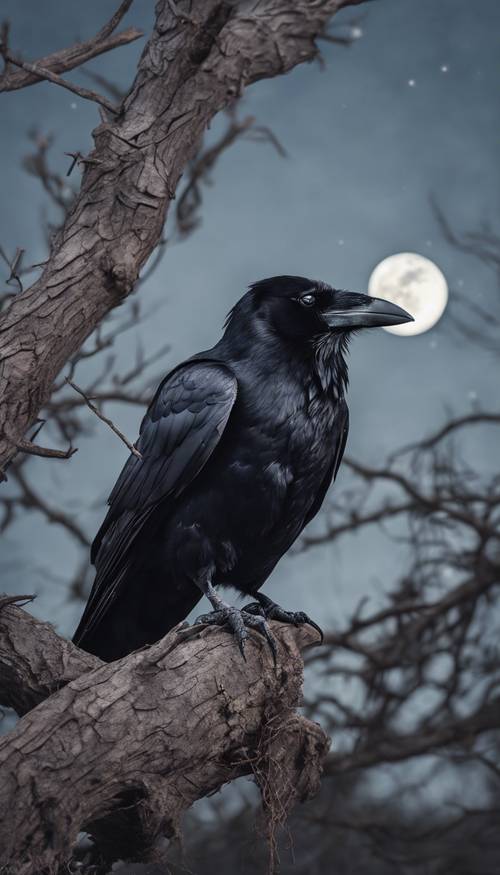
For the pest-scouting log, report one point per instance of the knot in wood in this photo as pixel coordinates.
(121, 276)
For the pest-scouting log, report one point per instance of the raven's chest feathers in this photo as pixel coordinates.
(278, 449)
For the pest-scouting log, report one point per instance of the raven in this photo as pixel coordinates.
(238, 448)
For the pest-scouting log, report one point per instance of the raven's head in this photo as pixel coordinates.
(297, 308)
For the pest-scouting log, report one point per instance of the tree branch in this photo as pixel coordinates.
(459, 731)
(105, 419)
(30, 499)
(123, 749)
(42, 73)
(34, 661)
(186, 75)
(31, 449)
(68, 59)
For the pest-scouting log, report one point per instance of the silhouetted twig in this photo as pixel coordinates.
(105, 419)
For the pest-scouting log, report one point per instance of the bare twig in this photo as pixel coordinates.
(69, 58)
(480, 418)
(189, 201)
(43, 73)
(78, 158)
(36, 164)
(14, 267)
(19, 600)
(105, 419)
(31, 449)
(480, 324)
(114, 90)
(28, 499)
(25, 446)
(114, 21)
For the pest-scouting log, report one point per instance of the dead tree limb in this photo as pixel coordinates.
(105, 419)
(42, 73)
(123, 749)
(69, 58)
(195, 64)
(34, 660)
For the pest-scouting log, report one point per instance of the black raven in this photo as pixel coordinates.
(239, 446)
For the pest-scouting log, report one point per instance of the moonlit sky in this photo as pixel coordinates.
(365, 151)
(416, 284)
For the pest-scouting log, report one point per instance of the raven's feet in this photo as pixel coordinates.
(238, 622)
(265, 607)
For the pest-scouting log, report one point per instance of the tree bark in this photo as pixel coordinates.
(123, 749)
(196, 62)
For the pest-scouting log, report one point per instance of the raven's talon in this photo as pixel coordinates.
(239, 621)
(254, 608)
(272, 611)
(259, 624)
(304, 619)
(236, 622)
(214, 618)
(298, 618)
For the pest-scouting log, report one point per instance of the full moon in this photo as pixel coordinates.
(414, 283)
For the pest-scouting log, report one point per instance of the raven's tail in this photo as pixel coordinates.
(141, 611)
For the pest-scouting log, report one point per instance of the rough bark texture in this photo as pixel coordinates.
(123, 749)
(196, 61)
(34, 660)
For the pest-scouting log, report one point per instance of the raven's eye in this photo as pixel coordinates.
(307, 300)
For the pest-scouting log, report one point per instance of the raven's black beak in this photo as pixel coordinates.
(363, 311)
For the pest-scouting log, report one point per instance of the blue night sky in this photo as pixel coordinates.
(365, 150)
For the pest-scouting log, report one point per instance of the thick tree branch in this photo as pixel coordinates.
(187, 73)
(34, 660)
(150, 733)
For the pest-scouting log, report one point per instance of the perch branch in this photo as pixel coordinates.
(123, 749)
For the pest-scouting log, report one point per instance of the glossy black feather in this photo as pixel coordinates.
(178, 434)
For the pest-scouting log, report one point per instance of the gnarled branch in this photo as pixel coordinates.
(122, 749)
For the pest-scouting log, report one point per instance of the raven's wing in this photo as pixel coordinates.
(340, 440)
(178, 434)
